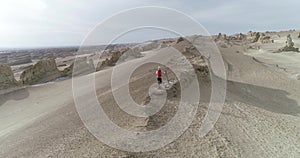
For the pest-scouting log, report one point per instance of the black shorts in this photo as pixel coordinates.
(159, 80)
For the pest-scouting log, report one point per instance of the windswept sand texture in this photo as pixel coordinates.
(260, 117)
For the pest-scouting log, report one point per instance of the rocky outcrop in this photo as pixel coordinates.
(110, 61)
(289, 47)
(42, 71)
(200, 65)
(7, 78)
(222, 40)
(299, 35)
(132, 53)
(222, 37)
(239, 37)
(266, 39)
(194, 57)
(82, 66)
(120, 56)
(253, 36)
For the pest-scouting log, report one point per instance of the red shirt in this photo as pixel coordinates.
(158, 73)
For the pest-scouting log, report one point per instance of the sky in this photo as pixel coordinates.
(49, 23)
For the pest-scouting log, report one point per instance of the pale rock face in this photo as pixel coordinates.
(7, 78)
(42, 71)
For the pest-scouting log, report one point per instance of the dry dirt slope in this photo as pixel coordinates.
(259, 119)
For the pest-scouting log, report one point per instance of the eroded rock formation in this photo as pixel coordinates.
(289, 47)
(194, 57)
(253, 36)
(82, 66)
(266, 39)
(42, 71)
(110, 61)
(223, 37)
(7, 78)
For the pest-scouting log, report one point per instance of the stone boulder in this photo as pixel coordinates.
(42, 71)
(7, 78)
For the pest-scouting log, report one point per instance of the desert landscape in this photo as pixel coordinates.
(260, 117)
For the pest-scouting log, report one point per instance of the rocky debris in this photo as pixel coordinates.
(7, 78)
(259, 37)
(223, 37)
(239, 36)
(289, 46)
(188, 49)
(42, 71)
(266, 39)
(222, 40)
(200, 65)
(82, 66)
(174, 90)
(253, 36)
